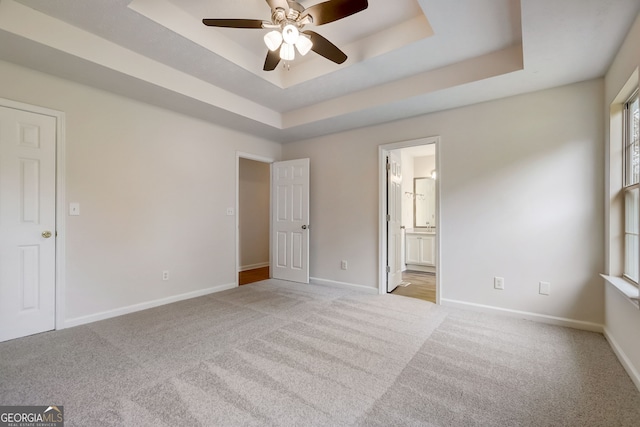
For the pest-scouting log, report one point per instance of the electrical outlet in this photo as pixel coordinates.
(343, 265)
(165, 275)
(230, 212)
(544, 288)
(498, 283)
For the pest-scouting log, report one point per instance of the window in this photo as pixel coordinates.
(631, 154)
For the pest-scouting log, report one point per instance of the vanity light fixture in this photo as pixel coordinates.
(418, 196)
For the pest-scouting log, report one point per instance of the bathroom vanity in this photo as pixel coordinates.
(420, 247)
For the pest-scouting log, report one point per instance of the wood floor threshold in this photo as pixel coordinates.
(252, 276)
(422, 285)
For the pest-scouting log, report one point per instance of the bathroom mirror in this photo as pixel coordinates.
(424, 203)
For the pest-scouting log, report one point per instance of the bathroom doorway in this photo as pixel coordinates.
(414, 164)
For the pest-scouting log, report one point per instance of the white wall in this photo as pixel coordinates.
(622, 319)
(423, 166)
(253, 213)
(521, 197)
(153, 188)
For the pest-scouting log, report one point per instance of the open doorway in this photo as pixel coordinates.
(410, 232)
(272, 219)
(254, 204)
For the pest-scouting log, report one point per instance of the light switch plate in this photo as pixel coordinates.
(544, 288)
(74, 209)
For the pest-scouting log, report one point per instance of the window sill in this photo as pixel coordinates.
(625, 288)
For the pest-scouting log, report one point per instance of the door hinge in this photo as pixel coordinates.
(388, 166)
(388, 269)
(388, 218)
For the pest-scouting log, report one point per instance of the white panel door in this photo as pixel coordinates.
(394, 221)
(27, 223)
(290, 220)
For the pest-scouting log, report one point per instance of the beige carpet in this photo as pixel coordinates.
(278, 353)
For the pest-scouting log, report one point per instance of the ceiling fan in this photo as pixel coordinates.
(288, 18)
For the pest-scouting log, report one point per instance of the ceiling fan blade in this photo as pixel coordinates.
(332, 10)
(272, 61)
(233, 23)
(282, 4)
(324, 47)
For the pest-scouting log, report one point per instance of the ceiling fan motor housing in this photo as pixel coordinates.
(282, 17)
(296, 7)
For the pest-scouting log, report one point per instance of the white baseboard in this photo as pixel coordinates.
(144, 305)
(423, 268)
(622, 357)
(543, 318)
(254, 266)
(352, 286)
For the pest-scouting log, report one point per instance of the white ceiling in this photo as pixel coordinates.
(406, 57)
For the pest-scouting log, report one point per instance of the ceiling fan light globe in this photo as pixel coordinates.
(287, 53)
(304, 45)
(273, 40)
(290, 34)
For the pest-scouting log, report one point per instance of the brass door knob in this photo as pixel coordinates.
(46, 234)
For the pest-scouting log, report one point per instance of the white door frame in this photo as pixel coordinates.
(383, 151)
(60, 279)
(257, 158)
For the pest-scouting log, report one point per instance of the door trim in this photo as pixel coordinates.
(257, 158)
(60, 279)
(383, 151)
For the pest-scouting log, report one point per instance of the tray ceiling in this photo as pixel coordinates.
(406, 57)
